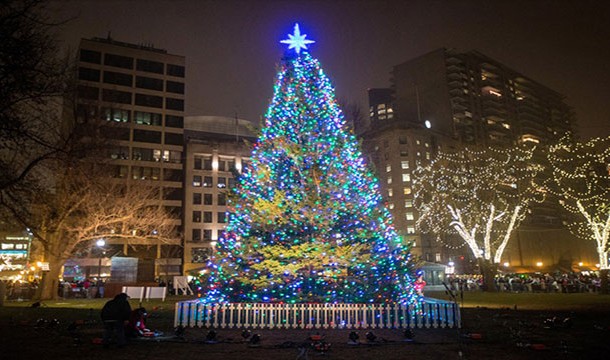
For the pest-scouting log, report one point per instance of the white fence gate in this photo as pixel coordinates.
(430, 314)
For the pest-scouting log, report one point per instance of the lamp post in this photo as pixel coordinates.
(100, 244)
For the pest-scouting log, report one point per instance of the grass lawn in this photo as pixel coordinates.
(162, 313)
(492, 316)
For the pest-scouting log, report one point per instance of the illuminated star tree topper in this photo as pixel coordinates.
(297, 41)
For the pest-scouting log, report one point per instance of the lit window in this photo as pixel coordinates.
(197, 180)
(388, 168)
(222, 182)
(427, 155)
(391, 206)
(418, 142)
(437, 257)
(427, 145)
(406, 177)
(409, 216)
(410, 229)
(390, 192)
(506, 126)
(409, 203)
(404, 164)
(406, 191)
(389, 180)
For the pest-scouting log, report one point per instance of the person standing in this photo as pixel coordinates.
(115, 315)
(100, 287)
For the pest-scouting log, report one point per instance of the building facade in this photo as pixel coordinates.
(141, 90)
(216, 152)
(445, 99)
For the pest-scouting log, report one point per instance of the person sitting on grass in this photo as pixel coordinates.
(137, 324)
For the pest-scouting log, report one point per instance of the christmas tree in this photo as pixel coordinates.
(307, 222)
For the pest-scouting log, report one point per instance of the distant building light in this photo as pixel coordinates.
(539, 264)
(428, 124)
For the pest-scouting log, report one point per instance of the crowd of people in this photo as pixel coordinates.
(537, 282)
(87, 288)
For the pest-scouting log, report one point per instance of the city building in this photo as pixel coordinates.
(216, 152)
(15, 251)
(445, 99)
(141, 89)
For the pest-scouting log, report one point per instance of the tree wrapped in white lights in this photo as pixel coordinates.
(581, 180)
(478, 196)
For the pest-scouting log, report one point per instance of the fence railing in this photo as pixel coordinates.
(429, 314)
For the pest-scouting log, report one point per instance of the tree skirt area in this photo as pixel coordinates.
(487, 334)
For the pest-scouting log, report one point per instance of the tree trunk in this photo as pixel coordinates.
(48, 288)
(603, 286)
(489, 271)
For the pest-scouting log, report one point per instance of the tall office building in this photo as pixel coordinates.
(215, 154)
(141, 89)
(448, 98)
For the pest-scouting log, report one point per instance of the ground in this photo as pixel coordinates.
(580, 330)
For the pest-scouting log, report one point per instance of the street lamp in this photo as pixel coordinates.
(100, 244)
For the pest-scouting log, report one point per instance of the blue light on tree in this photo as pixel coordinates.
(297, 41)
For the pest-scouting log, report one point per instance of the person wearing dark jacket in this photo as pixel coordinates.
(115, 314)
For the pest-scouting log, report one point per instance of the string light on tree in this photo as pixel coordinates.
(307, 222)
(581, 181)
(479, 197)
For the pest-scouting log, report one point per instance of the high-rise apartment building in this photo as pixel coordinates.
(477, 100)
(448, 98)
(141, 89)
(215, 154)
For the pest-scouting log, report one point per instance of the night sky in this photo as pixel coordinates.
(232, 47)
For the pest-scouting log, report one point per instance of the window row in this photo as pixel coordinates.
(124, 97)
(205, 234)
(146, 173)
(126, 62)
(144, 154)
(207, 217)
(405, 191)
(206, 163)
(200, 255)
(208, 182)
(207, 199)
(142, 82)
(86, 112)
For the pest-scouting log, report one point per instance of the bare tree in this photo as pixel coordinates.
(82, 204)
(32, 83)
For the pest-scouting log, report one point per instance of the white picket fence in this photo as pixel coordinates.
(430, 314)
